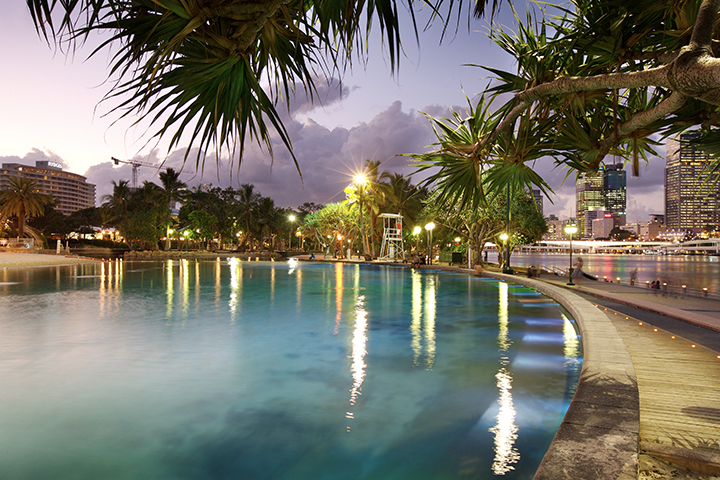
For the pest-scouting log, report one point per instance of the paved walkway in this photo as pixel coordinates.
(678, 381)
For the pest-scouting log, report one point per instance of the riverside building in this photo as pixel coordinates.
(601, 193)
(690, 202)
(70, 191)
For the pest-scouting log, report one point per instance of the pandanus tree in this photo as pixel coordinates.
(197, 68)
(21, 199)
(602, 77)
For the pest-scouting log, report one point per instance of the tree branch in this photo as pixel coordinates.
(562, 85)
(704, 23)
(639, 120)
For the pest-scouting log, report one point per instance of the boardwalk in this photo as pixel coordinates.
(678, 382)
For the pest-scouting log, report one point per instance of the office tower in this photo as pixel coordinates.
(615, 190)
(690, 201)
(537, 195)
(599, 193)
(70, 191)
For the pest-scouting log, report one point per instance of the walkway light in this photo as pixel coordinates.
(570, 229)
(506, 263)
(292, 219)
(429, 227)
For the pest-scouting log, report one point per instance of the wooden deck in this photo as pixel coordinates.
(678, 384)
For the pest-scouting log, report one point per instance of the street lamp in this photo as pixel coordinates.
(416, 232)
(429, 227)
(292, 219)
(361, 181)
(570, 229)
(506, 261)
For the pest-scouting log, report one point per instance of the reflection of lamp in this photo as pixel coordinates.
(506, 261)
(292, 219)
(570, 229)
(429, 227)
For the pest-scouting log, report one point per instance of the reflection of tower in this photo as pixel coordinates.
(392, 244)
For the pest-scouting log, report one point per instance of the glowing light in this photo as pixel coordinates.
(359, 351)
(429, 326)
(360, 179)
(505, 429)
(416, 315)
(235, 286)
(292, 263)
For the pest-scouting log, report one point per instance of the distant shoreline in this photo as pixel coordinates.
(20, 260)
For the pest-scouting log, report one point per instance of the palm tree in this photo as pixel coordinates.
(248, 200)
(268, 219)
(401, 196)
(22, 199)
(175, 191)
(115, 205)
(199, 64)
(374, 199)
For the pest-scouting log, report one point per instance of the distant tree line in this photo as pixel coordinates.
(168, 215)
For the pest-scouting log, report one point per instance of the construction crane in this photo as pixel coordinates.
(135, 165)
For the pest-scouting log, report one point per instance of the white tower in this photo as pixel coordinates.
(392, 244)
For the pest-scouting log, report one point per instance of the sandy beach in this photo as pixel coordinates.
(13, 260)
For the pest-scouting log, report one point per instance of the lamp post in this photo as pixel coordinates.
(429, 228)
(506, 261)
(292, 219)
(361, 181)
(570, 229)
(416, 232)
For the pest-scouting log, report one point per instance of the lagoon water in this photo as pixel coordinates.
(695, 271)
(238, 370)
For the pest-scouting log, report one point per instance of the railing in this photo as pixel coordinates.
(664, 290)
(677, 290)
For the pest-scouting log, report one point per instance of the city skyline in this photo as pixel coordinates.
(52, 111)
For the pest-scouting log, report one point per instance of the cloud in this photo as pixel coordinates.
(326, 157)
(34, 155)
(327, 93)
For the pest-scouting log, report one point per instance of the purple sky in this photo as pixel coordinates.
(51, 110)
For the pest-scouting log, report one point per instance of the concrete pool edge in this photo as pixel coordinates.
(598, 438)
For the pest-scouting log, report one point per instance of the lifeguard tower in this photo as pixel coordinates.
(393, 248)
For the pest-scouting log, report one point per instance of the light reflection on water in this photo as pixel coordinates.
(231, 369)
(505, 430)
(695, 271)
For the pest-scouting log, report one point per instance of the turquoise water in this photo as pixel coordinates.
(246, 370)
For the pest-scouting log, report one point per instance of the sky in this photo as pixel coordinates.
(51, 109)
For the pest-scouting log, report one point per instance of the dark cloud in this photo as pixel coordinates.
(327, 92)
(326, 158)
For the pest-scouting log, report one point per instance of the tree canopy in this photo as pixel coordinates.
(21, 199)
(202, 67)
(597, 78)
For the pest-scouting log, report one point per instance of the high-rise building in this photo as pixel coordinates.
(537, 195)
(690, 201)
(70, 191)
(600, 193)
